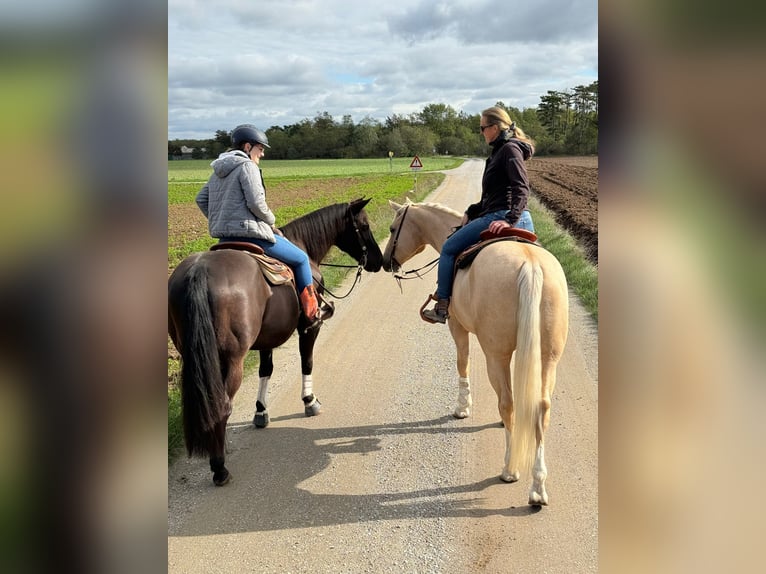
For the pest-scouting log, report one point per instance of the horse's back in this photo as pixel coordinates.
(235, 290)
(486, 294)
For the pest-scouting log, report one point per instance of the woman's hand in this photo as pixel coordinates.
(499, 225)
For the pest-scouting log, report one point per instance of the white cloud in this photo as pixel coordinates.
(277, 62)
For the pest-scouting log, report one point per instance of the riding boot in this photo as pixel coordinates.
(309, 303)
(439, 313)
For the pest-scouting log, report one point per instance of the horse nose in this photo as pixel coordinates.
(390, 265)
(373, 267)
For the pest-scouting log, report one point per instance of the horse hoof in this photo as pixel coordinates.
(536, 499)
(461, 413)
(509, 476)
(313, 408)
(261, 420)
(221, 477)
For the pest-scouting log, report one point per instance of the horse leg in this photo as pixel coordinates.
(499, 373)
(306, 340)
(221, 474)
(537, 493)
(233, 372)
(460, 336)
(265, 370)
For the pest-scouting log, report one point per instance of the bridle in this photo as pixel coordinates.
(416, 272)
(359, 267)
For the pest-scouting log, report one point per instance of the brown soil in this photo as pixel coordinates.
(568, 186)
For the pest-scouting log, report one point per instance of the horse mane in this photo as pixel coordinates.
(317, 231)
(440, 207)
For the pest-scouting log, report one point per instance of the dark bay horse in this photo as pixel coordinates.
(220, 306)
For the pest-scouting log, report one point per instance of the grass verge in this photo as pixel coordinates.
(582, 275)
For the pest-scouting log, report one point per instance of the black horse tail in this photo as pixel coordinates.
(202, 389)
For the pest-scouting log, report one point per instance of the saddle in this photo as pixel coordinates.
(274, 271)
(465, 259)
(486, 237)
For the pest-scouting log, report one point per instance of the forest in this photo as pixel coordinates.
(563, 123)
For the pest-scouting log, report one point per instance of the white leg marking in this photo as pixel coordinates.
(537, 494)
(464, 402)
(263, 391)
(307, 386)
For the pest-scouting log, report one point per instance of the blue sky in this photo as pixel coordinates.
(277, 62)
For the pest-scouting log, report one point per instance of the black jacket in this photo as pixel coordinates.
(504, 184)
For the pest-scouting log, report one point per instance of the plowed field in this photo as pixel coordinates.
(568, 186)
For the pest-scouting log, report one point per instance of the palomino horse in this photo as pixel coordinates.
(513, 297)
(220, 306)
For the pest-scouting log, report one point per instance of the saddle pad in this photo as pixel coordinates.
(274, 271)
(509, 232)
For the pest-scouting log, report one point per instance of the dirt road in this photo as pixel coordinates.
(385, 480)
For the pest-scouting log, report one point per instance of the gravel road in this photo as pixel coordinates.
(385, 480)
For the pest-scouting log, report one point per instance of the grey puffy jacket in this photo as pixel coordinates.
(234, 199)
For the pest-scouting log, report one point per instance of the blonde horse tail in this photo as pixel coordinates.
(527, 371)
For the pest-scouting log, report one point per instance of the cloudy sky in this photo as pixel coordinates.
(277, 62)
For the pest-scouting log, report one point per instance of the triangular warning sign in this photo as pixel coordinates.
(416, 163)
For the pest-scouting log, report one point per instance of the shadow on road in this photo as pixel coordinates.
(269, 465)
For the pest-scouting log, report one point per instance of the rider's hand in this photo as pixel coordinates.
(277, 231)
(499, 225)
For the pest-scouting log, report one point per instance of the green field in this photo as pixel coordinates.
(198, 170)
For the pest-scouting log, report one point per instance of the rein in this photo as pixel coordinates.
(359, 270)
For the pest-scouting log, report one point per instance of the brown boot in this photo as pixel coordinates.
(439, 313)
(309, 303)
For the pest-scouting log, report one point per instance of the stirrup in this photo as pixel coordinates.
(326, 308)
(430, 315)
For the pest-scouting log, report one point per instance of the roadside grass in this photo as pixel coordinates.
(582, 275)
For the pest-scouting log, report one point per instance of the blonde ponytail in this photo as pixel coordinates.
(499, 117)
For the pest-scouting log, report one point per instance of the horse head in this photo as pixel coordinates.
(357, 239)
(404, 241)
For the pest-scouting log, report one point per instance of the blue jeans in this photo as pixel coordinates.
(464, 238)
(286, 252)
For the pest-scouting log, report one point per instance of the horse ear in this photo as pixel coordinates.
(359, 204)
(395, 206)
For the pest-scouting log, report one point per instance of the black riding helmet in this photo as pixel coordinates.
(248, 133)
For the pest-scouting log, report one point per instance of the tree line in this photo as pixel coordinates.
(564, 123)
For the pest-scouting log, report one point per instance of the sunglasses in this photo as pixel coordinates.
(482, 128)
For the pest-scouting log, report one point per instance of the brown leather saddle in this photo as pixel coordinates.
(274, 271)
(487, 238)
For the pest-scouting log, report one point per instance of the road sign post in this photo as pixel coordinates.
(416, 165)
